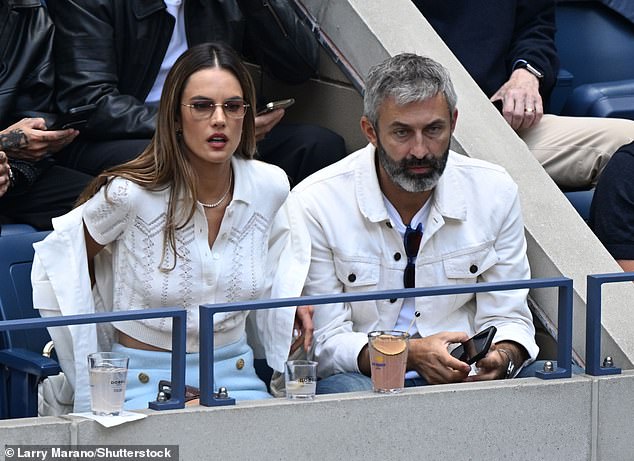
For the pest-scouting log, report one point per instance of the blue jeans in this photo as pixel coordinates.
(354, 382)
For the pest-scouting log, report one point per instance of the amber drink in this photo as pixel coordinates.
(388, 359)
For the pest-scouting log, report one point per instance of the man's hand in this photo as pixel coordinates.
(495, 363)
(522, 103)
(429, 357)
(29, 140)
(265, 123)
(4, 173)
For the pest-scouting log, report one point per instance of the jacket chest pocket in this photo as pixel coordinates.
(357, 275)
(467, 267)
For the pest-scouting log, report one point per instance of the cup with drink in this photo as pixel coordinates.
(301, 379)
(388, 359)
(108, 373)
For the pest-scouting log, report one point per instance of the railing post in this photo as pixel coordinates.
(564, 334)
(593, 322)
(179, 335)
(207, 396)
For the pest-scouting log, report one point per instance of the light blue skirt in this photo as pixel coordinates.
(233, 369)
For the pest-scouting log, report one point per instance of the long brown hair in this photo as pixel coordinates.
(164, 162)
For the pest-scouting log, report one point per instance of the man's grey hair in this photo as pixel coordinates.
(407, 78)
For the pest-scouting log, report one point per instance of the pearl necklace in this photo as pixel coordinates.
(222, 199)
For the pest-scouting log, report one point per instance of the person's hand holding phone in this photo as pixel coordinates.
(495, 364)
(5, 181)
(265, 123)
(429, 357)
(29, 139)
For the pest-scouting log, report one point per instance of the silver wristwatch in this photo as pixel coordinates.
(523, 64)
(510, 369)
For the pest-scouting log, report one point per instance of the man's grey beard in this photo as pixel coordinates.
(399, 173)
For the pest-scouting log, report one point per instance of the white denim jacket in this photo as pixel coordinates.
(474, 233)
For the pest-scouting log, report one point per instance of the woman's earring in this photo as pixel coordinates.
(179, 133)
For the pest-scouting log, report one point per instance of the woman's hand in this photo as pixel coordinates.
(304, 326)
(29, 140)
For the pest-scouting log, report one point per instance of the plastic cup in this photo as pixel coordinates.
(108, 372)
(301, 379)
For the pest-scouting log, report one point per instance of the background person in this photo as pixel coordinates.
(612, 209)
(406, 211)
(116, 54)
(508, 47)
(40, 188)
(193, 220)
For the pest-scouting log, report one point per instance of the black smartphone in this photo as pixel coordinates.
(475, 347)
(77, 118)
(271, 106)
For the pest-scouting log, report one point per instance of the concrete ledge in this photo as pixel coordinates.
(615, 407)
(40, 431)
(461, 421)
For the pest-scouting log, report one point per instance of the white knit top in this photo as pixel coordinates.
(240, 266)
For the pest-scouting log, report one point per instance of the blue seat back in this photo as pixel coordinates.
(16, 259)
(594, 43)
(595, 46)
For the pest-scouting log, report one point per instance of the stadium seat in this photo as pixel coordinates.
(581, 200)
(598, 64)
(11, 229)
(22, 364)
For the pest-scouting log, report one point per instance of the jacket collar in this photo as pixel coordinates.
(144, 8)
(448, 198)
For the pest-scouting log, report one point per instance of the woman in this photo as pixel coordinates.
(194, 219)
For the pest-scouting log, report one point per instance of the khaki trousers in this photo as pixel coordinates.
(574, 150)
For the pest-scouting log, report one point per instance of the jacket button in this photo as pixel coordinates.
(240, 364)
(473, 269)
(352, 278)
(397, 256)
(392, 300)
(143, 378)
(388, 224)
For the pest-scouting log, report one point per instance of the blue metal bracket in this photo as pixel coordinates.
(593, 321)
(564, 327)
(179, 332)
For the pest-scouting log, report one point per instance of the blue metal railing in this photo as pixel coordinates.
(179, 332)
(564, 327)
(593, 321)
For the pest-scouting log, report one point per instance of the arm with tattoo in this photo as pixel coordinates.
(14, 139)
(29, 139)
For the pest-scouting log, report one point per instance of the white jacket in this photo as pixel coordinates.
(474, 233)
(276, 264)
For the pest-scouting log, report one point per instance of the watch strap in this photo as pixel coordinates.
(510, 368)
(524, 64)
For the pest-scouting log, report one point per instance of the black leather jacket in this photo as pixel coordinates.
(109, 52)
(26, 66)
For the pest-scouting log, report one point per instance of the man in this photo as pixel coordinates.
(508, 47)
(612, 209)
(38, 189)
(462, 222)
(117, 53)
